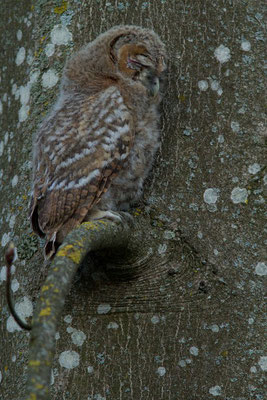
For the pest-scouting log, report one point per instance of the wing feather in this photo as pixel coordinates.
(77, 154)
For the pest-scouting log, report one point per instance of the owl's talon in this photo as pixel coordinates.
(99, 214)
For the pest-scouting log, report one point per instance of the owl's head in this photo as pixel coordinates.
(124, 52)
(135, 62)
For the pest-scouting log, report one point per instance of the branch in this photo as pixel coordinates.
(87, 237)
(9, 258)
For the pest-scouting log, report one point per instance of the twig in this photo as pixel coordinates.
(87, 237)
(9, 256)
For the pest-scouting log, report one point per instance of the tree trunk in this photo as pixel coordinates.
(189, 325)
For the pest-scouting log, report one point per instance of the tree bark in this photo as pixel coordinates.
(189, 323)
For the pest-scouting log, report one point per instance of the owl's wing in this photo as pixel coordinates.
(78, 152)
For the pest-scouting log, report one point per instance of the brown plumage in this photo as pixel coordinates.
(96, 147)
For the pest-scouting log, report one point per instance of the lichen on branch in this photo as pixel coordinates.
(89, 236)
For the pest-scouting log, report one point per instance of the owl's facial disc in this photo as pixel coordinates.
(133, 58)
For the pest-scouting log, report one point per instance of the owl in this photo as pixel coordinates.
(95, 148)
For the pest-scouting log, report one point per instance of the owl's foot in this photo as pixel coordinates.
(100, 214)
(117, 217)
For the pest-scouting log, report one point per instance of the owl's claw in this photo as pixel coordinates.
(99, 214)
(117, 217)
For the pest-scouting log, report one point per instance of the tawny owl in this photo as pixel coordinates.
(94, 150)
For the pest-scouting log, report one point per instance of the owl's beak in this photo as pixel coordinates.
(151, 82)
(153, 87)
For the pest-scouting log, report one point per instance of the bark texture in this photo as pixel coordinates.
(190, 323)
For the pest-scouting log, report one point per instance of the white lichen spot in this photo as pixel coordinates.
(90, 369)
(60, 35)
(97, 396)
(69, 359)
(245, 45)
(78, 337)
(214, 328)
(251, 321)
(261, 269)
(14, 285)
(20, 57)
(19, 35)
(253, 369)
(182, 363)
(70, 329)
(220, 139)
(52, 378)
(13, 358)
(211, 195)
(24, 309)
(169, 235)
(215, 390)
(57, 335)
(214, 85)
(30, 57)
(23, 112)
(200, 235)
(113, 325)
(254, 168)
(34, 76)
(203, 85)
(3, 274)
(155, 319)
(222, 53)
(12, 221)
(68, 319)
(235, 126)
(49, 79)
(14, 90)
(161, 371)
(5, 239)
(239, 195)
(24, 92)
(263, 363)
(194, 351)
(162, 248)
(103, 308)
(14, 181)
(49, 49)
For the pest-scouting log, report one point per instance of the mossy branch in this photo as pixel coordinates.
(87, 237)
